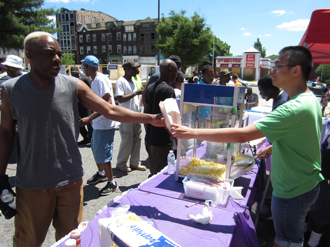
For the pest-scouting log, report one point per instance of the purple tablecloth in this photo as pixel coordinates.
(165, 185)
(169, 216)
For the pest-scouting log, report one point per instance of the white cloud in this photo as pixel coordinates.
(278, 12)
(260, 35)
(268, 34)
(297, 25)
(242, 28)
(246, 34)
(53, 18)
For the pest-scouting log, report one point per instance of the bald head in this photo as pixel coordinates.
(168, 70)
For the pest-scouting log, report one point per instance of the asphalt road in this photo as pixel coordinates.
(93, 202)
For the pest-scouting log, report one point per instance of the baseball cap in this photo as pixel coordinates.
(175, 58)
(224, 72)
(195, 77)
(130, 64)
(13, 61)
(75, 70)
(91, 61)
(180, 75)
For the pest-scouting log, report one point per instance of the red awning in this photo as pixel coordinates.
(317, 36)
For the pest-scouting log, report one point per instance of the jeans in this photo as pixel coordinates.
(289, 216)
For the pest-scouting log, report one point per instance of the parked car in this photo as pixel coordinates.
(245, 83)
(316, 87)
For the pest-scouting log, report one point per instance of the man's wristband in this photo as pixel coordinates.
(134, 94)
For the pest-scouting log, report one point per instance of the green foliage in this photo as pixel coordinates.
(188, 38)
(68, 58)
(327, 81)
(326, 71)
(248, 77)
(19, 18)
(274, 56)
(259, 47)
(220, 49)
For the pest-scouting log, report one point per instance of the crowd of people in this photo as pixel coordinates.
(50, 109)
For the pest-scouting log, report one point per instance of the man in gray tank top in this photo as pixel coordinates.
(49, 168)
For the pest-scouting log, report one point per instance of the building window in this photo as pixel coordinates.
(129, 37)
(129, 29)
(130, 50)
(63, 17)
(109, 37)
(88, 50)
(103, 49)
(142, 49)
(125, 50)
(134, 37)
(153, 49)
(94, 49)
(142, 37)
(119, 49)
(88, 38)
(81, 38)
(94, 37)
(81, 50)
(103, 37)
(152, 36)
(134, 50)
(71, 17)
(110, 49)
(118, 36)
(124, 37)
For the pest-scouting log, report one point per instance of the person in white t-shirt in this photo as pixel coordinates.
(127, 95)
(103, 128)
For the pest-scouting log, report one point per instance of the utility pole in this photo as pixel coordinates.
(158, 59)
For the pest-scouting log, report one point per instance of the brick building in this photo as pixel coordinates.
(118, 41)
(68, 20)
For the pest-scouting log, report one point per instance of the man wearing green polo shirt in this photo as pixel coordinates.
(295, 129)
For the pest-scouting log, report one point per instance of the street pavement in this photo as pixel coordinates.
(93, 202)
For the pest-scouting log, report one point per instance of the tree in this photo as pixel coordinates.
(259, 47)
(68, 58)
(190, 39)
(220, 49)
(19, 18)
(326, 71)
(274, 56)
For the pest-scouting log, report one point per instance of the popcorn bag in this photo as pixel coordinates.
(170, 111)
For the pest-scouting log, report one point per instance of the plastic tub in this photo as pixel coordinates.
(205, 187)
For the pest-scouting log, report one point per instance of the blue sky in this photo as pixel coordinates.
(239, 23)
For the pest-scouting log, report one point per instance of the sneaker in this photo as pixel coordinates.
(110, 187)
(139, 167)
(124, 168)
(84, 142)
(97, 178)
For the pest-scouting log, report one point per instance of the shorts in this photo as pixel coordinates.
(289, 217)
(319, 214)
(102, 145)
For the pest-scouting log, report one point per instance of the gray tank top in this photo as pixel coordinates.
(48, 128)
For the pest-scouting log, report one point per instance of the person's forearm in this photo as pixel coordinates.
(124, 115)
(124, 98)
(6, 147)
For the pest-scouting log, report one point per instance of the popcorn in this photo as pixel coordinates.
(203, 167)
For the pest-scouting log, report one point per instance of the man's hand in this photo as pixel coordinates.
(84, 121)
(158, 120)
(7, 211)
(265, 153)
(139, 92)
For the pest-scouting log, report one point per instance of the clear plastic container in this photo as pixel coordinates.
(205, 187)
